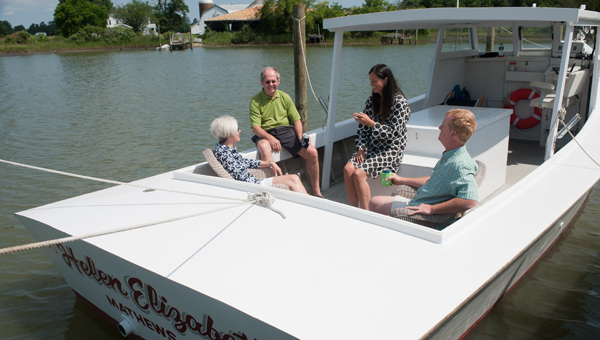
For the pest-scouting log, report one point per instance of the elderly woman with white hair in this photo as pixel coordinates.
(225, 130)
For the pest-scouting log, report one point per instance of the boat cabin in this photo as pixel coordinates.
(520, 84)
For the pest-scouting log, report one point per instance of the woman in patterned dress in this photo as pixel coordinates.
(225, 130)
(381, 136)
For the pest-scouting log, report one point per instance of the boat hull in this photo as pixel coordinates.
(467, 316)
(154, 306)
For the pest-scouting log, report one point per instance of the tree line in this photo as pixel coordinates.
(77, 16)
(71, 16)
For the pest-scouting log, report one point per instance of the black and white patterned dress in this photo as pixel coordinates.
(384, 144)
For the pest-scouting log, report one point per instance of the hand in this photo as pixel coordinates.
(395, 179)
(424, 209)
(364, 119)
(276, 169)
(360, 156)
(275, 144)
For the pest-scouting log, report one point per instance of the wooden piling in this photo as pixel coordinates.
(299, 24)
(489, 41)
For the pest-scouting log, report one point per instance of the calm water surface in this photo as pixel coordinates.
(131, 114)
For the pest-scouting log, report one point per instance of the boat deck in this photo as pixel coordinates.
(523, 158)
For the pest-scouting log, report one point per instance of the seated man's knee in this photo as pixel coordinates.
(381, 204)
(310, 153)
(263, 147)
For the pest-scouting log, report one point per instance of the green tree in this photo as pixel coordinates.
(373, 6)
(172, 15)
(49, 29)
(72, 15)
(322, 10)
(135, 14)
(5, 28)
(106, 4)
(276, 15)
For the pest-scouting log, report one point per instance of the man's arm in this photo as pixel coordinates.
(452, 206)
(416, 182)
(298, 129)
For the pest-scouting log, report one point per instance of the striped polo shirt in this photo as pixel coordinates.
(453, 176)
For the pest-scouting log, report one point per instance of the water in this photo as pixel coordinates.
(131, 114)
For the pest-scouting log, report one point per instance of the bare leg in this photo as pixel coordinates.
(363, 191)
(349, 182)
(292, 181)
(311, 156)
(265, 151)
(381, 204)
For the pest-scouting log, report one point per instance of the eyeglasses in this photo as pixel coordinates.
(270, 81)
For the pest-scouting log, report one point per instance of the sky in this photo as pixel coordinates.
(27, 12)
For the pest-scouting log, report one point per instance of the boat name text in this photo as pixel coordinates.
(146, 298)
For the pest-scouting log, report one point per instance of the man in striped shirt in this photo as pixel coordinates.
(451, 188)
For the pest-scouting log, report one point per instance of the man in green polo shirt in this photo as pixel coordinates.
(452, 187)
(276, 124)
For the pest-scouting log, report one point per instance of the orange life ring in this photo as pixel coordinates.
(535, 117)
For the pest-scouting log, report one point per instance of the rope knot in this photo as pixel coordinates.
(264, 199)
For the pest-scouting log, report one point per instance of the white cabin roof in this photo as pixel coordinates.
(437, 17)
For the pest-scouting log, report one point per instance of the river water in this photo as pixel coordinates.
(125, 115)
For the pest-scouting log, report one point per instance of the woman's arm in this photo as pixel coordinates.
(394, 126)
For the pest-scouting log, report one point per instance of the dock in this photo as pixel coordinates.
(389, 39)
(181, 42)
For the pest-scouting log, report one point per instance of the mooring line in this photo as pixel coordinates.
(101, 180)
(37, 245)
(263, 198)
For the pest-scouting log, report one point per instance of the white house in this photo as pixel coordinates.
(209, 10)
(114, 22)
(150, 28)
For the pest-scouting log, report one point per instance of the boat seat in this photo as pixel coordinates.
(431, 221)
(576, 83)
(221, 172)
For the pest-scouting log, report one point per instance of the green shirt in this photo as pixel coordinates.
(269, 113)
(453, 176)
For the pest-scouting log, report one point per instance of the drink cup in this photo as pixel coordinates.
(385, 174)
(305, 140)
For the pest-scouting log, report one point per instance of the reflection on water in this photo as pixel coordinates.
(128, 115)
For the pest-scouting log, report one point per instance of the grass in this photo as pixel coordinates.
(53, 44)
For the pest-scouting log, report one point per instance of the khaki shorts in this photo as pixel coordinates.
(399, 202)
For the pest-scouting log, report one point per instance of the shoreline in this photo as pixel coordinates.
(92, 49)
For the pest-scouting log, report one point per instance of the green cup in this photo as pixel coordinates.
(385, 174)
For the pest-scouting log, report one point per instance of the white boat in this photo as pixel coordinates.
(203, 262)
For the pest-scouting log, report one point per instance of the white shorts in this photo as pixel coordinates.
(267, 182)
(399, 202)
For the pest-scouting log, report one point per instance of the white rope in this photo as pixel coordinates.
(113, 182)
(580, 146)
(264, 199)
(42, 244)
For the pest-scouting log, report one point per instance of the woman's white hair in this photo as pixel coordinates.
(224, 127)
